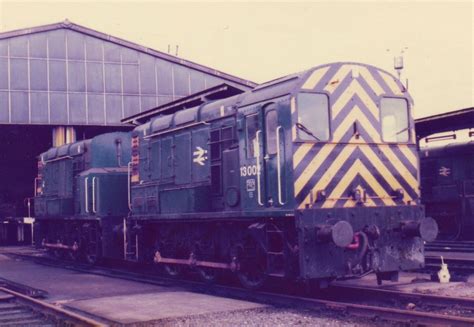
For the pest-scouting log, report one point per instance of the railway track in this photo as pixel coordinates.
(17, 309)
(450, 246)
(459, 255)
(377, 303)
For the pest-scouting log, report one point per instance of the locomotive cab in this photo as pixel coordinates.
(355, 160)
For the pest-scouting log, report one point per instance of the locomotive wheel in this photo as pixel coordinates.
(253, 278)
(58, 254)
(91, 250)
(208, 275)
(173, 271)
(252, 273)
(91, 255)
(91, 259)
(169, 247)
(204, 250)
(73, 255)
(52, 252)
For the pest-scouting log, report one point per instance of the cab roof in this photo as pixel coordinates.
(317, 79)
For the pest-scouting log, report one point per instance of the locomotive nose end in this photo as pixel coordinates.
(341, 233)
(428, 229)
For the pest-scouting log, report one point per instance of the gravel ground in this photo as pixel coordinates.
(271, 317)
(452, 289)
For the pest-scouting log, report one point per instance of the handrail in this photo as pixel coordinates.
(124, 238)
(86, 197)
(94, 209)
(58, 159)
(36, 186)
(129, 168)
(166, 131)
(259, 191)
(280, 200)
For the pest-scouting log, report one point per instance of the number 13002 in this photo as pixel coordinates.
(248, 170)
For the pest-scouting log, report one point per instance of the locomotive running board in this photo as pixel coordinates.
(233, 266)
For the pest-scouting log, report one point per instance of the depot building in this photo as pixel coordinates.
(64, 82)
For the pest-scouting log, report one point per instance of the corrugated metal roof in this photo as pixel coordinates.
(91, 32)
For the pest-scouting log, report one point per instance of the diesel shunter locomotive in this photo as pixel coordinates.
(447, 171)
(447, 179)
(312, 176)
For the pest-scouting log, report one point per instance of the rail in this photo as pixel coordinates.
(44, 311)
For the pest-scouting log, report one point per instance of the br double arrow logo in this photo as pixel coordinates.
(444, 171)
(200, 156)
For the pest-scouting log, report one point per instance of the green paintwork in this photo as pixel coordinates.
(447, 188)
(63, 170)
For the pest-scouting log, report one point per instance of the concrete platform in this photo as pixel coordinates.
(65, 285)
(156, 306)
(113, 299)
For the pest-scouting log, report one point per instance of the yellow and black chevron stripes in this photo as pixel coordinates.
(356, 115)
(335, 169)
(336, 79)
(367, 76)
(389, 177)
(391, 83)
(315, 78)
(400, 167)
(301, 152)
(327, 176)
(313, 166)
(357, 168)
(350, 203)
(353, 89)
(356, 156)
(409, 154)
(344, 178)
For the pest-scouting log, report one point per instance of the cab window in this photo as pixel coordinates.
(394, 116)
(251, 123)
(271, 123)
(313, 117)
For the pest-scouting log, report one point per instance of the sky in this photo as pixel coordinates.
(264, 40)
